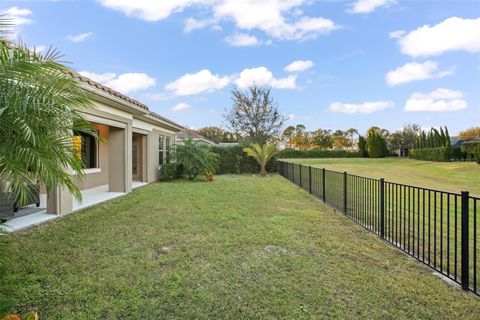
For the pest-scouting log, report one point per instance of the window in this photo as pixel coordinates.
(160, 150)
(85, 148)
(167, 143)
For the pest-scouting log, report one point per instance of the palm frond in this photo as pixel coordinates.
(40, 109)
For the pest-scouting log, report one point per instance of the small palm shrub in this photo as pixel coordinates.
(196, 158)
(261, 153)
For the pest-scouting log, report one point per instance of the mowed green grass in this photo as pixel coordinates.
(448, 176)
(241, 247)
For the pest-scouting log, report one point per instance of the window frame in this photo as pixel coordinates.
(161, 150)
(94, 146)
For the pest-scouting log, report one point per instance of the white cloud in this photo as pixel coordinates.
(397, 34)
(202, 81)
(366, 107)
(125, 83)
(150, 10)
(180, 107)
(261, 76)
(193, 24)
(437, 100)
(99, 77)
(452, 34)
(414, 71)
(242, 40)
(281, 19)
(38, 49)
(80, 37)
(17, 16)
(299, 66)
(367, 6)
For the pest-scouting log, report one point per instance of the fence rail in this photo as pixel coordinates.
(436, 227)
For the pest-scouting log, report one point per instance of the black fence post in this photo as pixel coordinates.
(345, 190)
(310, 179)
(300, 169)
(323, 185)
(382, 208)
(465, 249)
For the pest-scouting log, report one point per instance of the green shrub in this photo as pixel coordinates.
(362, 146)
(458, 154)
(476, 153)
(196, 158)
(439, 154)
(297, 154)
(468, 149)
(168, 172)
(376, 146)
(233, 160)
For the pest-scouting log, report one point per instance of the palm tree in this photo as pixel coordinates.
(196, 158)
(39, 111)
(261, 153)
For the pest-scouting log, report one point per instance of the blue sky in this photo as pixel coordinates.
(358, 63)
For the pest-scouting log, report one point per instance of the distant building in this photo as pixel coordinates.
(227, 144)
(457, 142)
(195, 136)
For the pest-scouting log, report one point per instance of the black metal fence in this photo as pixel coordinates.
(438, 228)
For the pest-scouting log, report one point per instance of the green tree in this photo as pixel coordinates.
(217, 134)
(352, 132)
(195, 158)
(261, 153)
(212, 133)
(255, 116)
(340, 139)
(470, 134)
(376, 144)
(322, 139)
(39, 113)
(407, 137)
(448, 144)
(301, 138)
(476, 153)
(362, 146)
(287, 136)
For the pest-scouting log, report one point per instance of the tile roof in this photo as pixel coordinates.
(187, 133)
(108, 90)
(156, 115)
(123, 97)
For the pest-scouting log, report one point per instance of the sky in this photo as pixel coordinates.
(330, 64)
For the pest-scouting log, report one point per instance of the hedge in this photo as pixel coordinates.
(296, 154)
(468, 150)
(439, 154)
(169, 172)
(234, 161)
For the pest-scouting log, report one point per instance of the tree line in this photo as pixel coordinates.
(255, 118)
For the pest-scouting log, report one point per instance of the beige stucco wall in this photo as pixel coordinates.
(152, 158)
(116, 127)
(94, 179)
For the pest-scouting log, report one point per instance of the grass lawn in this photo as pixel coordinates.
(448, 176)
(240, 247)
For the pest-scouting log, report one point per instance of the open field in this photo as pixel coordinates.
(240, 247)
(448, 176)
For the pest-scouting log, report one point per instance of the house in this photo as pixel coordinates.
(193, 135)
(134, 142)
(228, 144)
